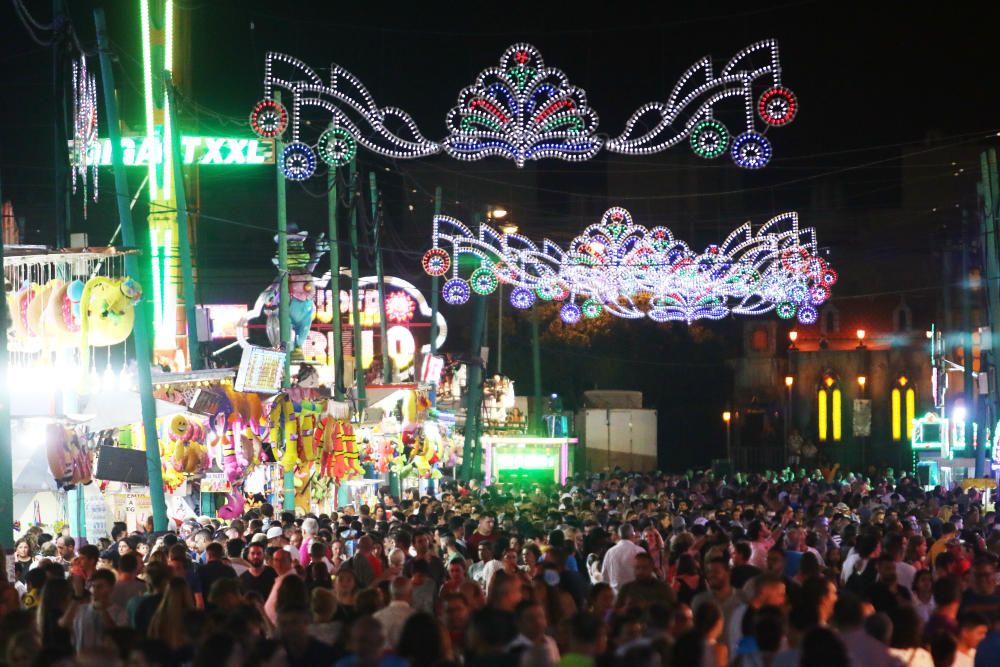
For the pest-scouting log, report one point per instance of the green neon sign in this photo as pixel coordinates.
(208, 151)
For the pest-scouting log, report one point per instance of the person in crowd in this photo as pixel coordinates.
(619, 561)
(677, 583)
(394, 616)
(907, 643)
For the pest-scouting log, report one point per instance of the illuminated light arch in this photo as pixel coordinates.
(523, 110)
(632, 272)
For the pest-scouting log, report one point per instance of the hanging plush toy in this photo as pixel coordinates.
(107, 313)
(345, 453)
(190, 456)
(69, 459)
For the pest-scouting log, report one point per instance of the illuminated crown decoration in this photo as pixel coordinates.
(523, 110)
(633, 272)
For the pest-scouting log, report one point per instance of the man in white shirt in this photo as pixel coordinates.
(394, 616)
(619, 562)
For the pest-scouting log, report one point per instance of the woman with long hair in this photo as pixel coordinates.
(57, 596)
(24, 556)
(424, 642)
(167, 623)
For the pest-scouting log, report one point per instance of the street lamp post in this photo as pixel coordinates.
(727, 417)
(789, 383)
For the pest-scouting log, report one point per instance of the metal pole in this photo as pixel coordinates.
(6, 465)
(435, 283)
(61, 173)
(184, 241)
(435, 296)
(536, 369)
(968, 391)
(380, 279)
(333, 233)
(284, 315)
(141, 329)
(359, 371)
(989, 189)
(500, 329)
(474, 383)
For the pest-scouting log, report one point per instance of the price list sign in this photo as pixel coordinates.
(261, 370)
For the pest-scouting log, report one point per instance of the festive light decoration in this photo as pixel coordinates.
(455, 291)
(84, 128)
(436, 262)
(337, 147)
(777, 106)
(298, 162)
(709, 139)
(399, 307)
(632, 272)
(523, 110)
(751, 150)
(268, 119)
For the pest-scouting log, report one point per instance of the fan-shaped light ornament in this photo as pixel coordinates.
(523, 110)
(633, 272)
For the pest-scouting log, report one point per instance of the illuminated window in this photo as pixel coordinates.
(904, 403)
(829, 410)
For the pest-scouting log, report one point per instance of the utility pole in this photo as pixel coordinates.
(968, 391)
(6, 464)
(435, 296)
(989, 191)
(474, 384)
(536, 368)
(183, 229)
(334, 235)
(359, 371)
(380, 278)
(284, 314)
(141, 329)
(61, 163)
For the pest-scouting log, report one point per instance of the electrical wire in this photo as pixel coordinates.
(30, 25)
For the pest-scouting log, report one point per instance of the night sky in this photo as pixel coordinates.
(896, 99)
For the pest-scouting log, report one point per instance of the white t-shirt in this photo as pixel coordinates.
(619, 564)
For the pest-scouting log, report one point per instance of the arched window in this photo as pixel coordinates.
(902, 318)
(829, 409)
(904, 407)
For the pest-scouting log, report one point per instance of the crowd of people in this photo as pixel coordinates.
(611, 569)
